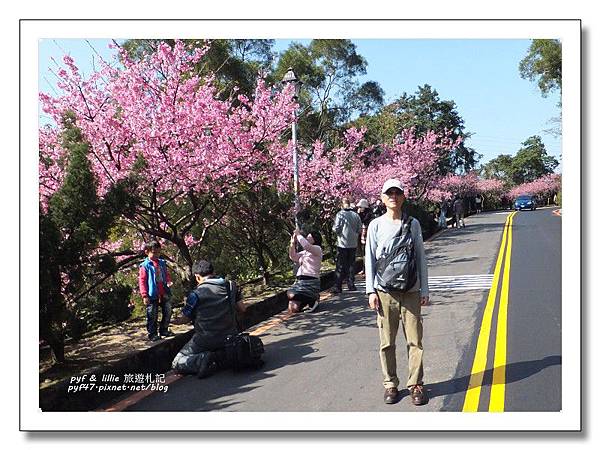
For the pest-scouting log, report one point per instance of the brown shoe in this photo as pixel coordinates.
(390, 396)
(418, 395)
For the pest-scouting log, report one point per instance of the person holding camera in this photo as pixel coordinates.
(212, 307)
(306, 290)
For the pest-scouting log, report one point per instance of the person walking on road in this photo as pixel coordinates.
(306, 289)
(478, 203)
(459, 212)
(394, 306)
(366, 215)
(442, 218)
(347, 227)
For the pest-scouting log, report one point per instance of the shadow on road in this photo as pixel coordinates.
(216, 392)
(514, 372)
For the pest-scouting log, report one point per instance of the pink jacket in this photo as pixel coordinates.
(309, 259)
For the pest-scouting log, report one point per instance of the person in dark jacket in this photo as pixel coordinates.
(379, 209)
(366, 215)
(347, 227)
(212, 307)
(459, 212)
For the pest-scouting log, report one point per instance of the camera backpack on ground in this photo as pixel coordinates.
(396, 268)
(244, 351)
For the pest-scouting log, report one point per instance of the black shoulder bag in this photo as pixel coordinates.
(242, 350)
(396, 268)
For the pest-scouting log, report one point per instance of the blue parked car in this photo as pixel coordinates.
(525, 202)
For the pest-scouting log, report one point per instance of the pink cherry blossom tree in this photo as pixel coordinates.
(411, 159)
(356, 171)
(463, 185)
(158, 123)
(545, 186)
(327, 175)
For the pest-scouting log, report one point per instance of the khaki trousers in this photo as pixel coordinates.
(406, 308)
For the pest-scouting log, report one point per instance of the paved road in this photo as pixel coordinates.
(328, 360)
(534, 314)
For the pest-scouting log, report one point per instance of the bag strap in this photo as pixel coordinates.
(406, 221)
(231, 294)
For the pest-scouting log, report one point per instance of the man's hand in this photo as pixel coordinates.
(425, 301)
(373, 301)
(146, 300)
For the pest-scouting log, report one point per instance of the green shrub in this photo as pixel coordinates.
(107, 305)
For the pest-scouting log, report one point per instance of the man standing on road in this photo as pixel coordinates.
(459, 211)
(347, 227)
(393, 306)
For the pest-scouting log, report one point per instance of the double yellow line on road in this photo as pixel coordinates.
(471, 403)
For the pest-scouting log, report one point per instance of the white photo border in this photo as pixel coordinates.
(568, 31)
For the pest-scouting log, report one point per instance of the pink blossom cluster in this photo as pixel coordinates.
(490, 186)
(411, 159)
(467, 185)
(161, 110)
(543, 186)
(51, 165)
(109, 246)
(190, 240)
(330, 174)
(359, 172)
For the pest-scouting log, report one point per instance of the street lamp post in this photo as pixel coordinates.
(290, 77)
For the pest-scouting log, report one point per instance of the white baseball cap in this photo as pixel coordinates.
(391, 183)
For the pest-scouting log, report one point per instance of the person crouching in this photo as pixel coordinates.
(211, 308)
(306, 289)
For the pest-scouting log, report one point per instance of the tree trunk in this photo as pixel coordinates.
(264, 268)
(187, 278)
(56, 341)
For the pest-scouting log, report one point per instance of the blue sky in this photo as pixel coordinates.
(481, 76)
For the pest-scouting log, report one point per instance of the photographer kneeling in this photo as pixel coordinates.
(216, 343)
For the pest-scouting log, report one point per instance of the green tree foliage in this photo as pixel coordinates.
(52, 307)
(530, 163)
(331, 94)
(423, 110)
(500, 168)
(543, 63)
(252, 239)
(70, 230)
